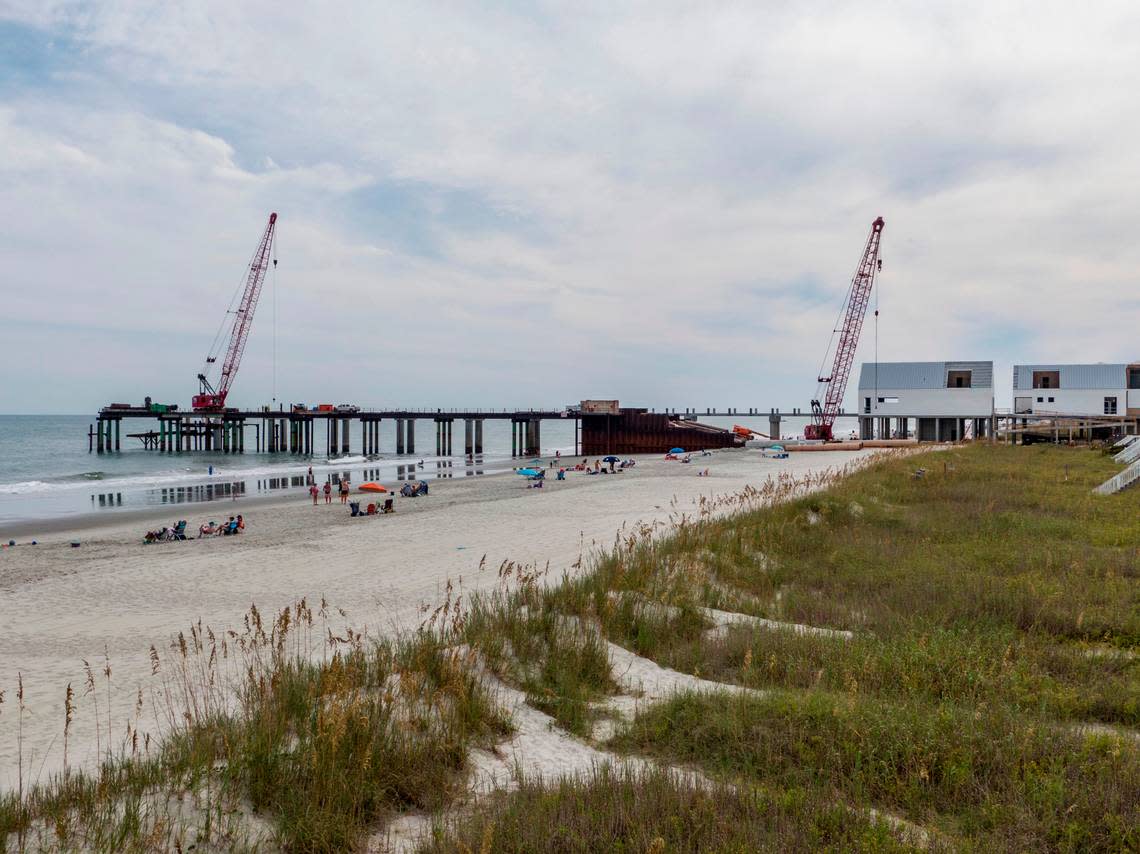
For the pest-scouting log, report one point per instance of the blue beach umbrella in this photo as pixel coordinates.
(610, 459)
(676, 450)
(529, 472)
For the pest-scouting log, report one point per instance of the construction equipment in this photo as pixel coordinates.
(211, 398)
(747, 433)
(832, 387)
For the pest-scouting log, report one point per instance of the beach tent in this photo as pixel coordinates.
(372, 487)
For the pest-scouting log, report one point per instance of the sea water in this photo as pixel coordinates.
(47, 472)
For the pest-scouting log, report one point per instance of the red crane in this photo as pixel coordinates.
(210, 399)
(831, 388)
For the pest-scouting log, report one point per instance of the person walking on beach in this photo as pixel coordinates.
(310, 477)
(313, 491)
(343, 490)
(328, 492)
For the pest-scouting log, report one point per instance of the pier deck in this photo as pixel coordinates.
(296, 431)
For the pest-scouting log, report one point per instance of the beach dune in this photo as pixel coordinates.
(113, 597)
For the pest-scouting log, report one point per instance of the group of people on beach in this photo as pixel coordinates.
(315, 491)
(177, 531)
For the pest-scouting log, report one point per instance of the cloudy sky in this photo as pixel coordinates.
(518, 204)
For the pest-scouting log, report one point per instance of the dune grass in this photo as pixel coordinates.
(318, 750)
(618, 809)
(994, 606)
(983, 776)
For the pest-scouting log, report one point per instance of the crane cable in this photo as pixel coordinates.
(274, 316)
(828, 352)
(215, 346)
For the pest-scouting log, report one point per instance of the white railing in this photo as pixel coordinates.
(1129, 454)
(1118, 482)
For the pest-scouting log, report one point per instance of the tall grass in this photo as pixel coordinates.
(619, 809)
(983, 775)
(322, 749)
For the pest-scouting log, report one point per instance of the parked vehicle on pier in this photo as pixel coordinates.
(325, 407)
(347, 407)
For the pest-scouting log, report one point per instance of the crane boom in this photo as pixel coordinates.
(834, 386)
(210, 399)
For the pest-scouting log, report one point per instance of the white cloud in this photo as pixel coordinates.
(477, 205)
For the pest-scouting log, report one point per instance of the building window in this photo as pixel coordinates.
(959, 379)
(866, 404)
(1110, 406)
(1134, 378)
(1050, 400)
(1046, 379)
(1040, 400)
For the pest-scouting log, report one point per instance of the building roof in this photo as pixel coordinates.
(1100, 375)
(910, 375)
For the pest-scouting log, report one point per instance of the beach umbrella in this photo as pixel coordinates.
(676, 450)
(610, 459)
(371, 486)
(529, 472)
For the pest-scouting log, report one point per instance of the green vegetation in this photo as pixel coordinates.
(655, 811)
(987, 695)
(995, 610)
(322, 750)
(979, 775)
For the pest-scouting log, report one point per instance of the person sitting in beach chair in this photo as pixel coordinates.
(230, 527)
(179, 532)
(389, 505)
(207, 530)
(422, 488)
(354, 507)
(408, 491)
(561, 474)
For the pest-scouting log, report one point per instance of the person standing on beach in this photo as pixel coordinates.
(310, 478)
(313, 491)
(343, 490)
(328, 492)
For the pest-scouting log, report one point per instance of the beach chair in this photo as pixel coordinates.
(179, 532)
(422, 488)
(389, 505)
(354, 507)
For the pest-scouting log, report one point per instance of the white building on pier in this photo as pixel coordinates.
(946, 401)
(1099, 389)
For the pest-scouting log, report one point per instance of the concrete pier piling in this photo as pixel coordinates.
(443, 432)
(399, 435)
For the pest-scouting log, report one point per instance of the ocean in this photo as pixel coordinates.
(46, 471)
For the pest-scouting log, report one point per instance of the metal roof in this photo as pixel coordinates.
(1100, 375)
(899, 375)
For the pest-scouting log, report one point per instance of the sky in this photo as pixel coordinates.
(526, 204)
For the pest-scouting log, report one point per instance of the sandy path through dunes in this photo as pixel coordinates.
(62, 605)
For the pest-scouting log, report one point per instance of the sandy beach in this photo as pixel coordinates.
(114, 596)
